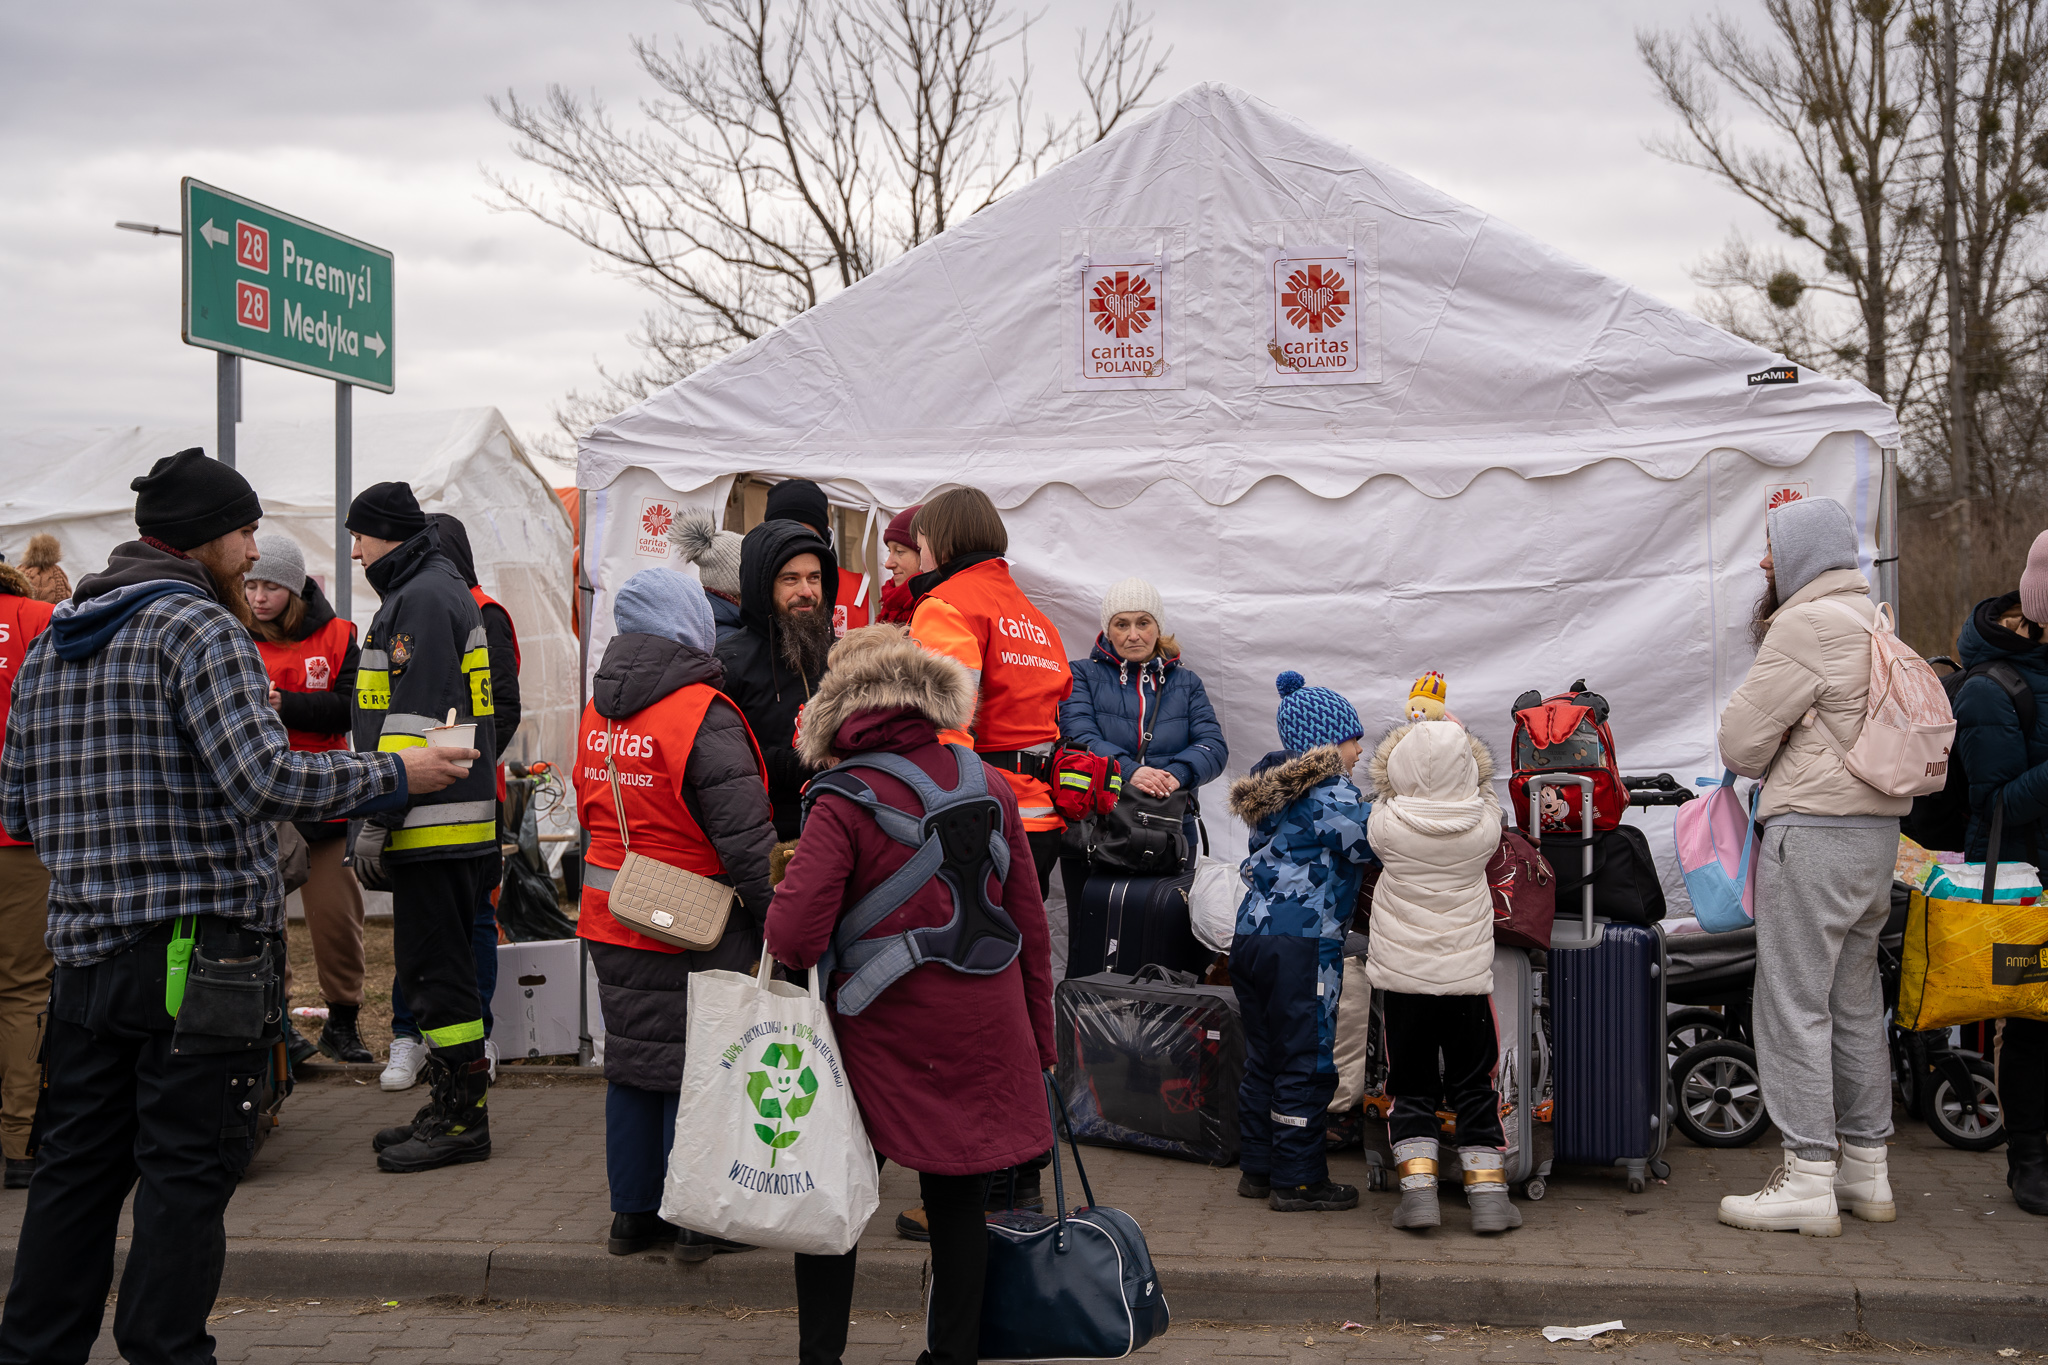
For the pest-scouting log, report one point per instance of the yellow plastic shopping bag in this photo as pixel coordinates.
(1969, 960)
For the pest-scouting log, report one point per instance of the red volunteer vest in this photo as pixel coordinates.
(21, 620)
(484, 600)
(994, 628)
(651, 748)
(310, 665)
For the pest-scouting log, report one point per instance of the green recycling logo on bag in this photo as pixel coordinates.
(782, 1092)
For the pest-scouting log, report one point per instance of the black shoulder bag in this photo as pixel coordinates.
(1144, 836)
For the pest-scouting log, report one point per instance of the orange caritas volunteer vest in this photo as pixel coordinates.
(310, 665)
(846, 614)
(483, 600)
(21, 620)
(651, 748)
(980, 617)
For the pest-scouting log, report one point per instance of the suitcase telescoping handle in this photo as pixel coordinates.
(1562, 935)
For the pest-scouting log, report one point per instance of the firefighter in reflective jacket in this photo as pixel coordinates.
(424, 656)
(970, 609)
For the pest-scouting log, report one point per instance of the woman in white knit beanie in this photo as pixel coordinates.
(1136, 701)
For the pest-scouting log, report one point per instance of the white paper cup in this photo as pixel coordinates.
(453, 737)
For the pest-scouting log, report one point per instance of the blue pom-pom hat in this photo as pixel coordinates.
(1311, 717)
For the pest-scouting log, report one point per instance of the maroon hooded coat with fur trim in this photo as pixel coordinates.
(945, 1066)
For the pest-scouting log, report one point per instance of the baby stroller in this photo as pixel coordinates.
(1719, 1101)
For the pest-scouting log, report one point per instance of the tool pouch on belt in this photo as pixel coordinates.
(233, 990)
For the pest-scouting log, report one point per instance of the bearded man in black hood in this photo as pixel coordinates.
(789, 583)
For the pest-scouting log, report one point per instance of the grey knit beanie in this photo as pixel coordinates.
(1808, 538)
(668, 604)
(1133, 594)
(279, 560)
(716, 553)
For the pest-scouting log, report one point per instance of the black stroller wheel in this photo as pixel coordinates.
(1687, 1028)
(1976, 1124)
(1719, 1099)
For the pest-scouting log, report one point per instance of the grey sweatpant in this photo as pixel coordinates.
(1822, 895)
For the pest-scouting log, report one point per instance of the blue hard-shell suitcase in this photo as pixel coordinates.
(1612, 1087)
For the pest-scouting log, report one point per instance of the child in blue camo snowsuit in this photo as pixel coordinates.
(1308, 851)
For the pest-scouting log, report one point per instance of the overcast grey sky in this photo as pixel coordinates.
(372, 119)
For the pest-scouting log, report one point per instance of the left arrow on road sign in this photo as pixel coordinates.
(213, 235)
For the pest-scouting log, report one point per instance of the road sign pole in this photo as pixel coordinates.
(344, 436)
(228, 406)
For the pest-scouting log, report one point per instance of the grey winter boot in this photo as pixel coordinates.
(1415, 1163)
(1486, 1190)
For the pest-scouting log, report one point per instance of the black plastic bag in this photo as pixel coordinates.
(1151, 1062)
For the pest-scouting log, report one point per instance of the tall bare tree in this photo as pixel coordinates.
(798, 149)
(1854, 99)
(1840, 87)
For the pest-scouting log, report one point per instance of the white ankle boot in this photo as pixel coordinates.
(1799, 1197)
(1863, 1186)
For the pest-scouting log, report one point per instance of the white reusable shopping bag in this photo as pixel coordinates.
(769, 1145)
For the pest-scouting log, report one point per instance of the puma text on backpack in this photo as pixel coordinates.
(959, 840)
(1941, 820)
(1908, 729)
(1566, 733)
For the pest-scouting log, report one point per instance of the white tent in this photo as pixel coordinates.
(74, 484)
(1529, 473)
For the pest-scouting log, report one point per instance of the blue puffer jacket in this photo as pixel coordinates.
(1308, 845)
(1988, 740)
(1113, 699)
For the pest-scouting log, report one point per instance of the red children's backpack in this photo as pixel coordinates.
(1566, 733)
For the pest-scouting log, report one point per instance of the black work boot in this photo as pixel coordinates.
(297, 1050)
(19, 1170)
(457, 1127)
(1325, 1196)
(402, 1132)
(2026, 1171)
(338, 1036)
(637, 1232)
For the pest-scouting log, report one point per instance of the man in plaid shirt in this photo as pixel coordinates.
(142, 759)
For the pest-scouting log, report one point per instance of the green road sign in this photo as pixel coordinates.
(275, 288)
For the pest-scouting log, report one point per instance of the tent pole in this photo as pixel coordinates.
(1887, 564)
(344, 438)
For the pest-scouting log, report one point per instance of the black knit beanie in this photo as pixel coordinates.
(186, 500)
(387, 511)
(800, 500)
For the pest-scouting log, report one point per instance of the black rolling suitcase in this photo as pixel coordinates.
(1607, 983)
(1151, 1062)
(1124, 923)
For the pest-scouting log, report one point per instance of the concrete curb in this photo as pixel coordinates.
(1941, 1313)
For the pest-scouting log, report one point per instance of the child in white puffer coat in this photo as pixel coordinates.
(1435, 825)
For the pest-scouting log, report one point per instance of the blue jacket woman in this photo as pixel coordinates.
(1134, 685)
(1997, 757)
(2001, 759)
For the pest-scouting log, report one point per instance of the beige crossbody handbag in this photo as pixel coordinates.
(671, 904)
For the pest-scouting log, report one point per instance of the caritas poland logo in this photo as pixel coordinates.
(1315, 298)
(657, 516)
(1123, 304)
(1788, 492)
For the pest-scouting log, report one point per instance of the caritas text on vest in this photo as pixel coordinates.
(1021, 628)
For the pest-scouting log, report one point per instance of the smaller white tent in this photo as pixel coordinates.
(74, 484)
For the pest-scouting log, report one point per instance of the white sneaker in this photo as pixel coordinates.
(408, 1059)
(1799, 1197)
(1863, 1186)
(491, 1054)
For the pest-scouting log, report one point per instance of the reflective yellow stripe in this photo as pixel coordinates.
(391, 744)
(373, 689)
(453, 1034)
(475, 659)
(1076, 780)
(442, 836)
(480, 694)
